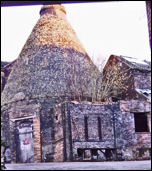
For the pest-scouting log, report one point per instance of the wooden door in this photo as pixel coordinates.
(25, 149)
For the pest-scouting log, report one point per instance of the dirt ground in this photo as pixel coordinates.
(123, 165)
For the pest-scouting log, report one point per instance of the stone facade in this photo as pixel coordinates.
(118, 139)
(62, 135)
(142, 80)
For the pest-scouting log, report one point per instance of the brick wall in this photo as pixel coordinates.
(58, 151)
(37, 140)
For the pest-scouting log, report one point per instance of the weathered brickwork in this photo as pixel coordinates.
(18, 114)
(58, 152)
(37, 140)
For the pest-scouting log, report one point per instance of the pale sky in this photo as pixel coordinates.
(107, 28)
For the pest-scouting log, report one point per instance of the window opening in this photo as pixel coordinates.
(141, 122)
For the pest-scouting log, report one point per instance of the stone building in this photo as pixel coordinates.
(102, 131)
(117, 130)
(138, 77)
(42, 118)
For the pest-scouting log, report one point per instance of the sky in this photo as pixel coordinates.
(104, 28)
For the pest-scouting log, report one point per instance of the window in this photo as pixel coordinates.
(87, 154)
(141, 122)
(99, 128)
(80, 152)
(86, 127)
(94, 154)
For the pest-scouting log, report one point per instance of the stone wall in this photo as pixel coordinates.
(142, 80)
(51, 128)
(45, 125)
(134, 141)
(59, 129)
(119, 140)
(58, 135)
(75, 128)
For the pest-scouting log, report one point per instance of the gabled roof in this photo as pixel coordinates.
(135, 63)
(131, 62)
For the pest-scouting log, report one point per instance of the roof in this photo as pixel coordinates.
(3, 64)
(145, 92)
(135, 63)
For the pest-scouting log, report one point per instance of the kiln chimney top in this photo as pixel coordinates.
(52, 9)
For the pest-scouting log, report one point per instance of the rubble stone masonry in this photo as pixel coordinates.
(117, 131)
(142, 80)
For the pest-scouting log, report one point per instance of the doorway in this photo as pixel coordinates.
(24, 141)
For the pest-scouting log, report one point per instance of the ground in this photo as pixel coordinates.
(124, 165)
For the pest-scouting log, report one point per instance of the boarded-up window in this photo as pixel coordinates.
(86, 127)
(141, 122)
